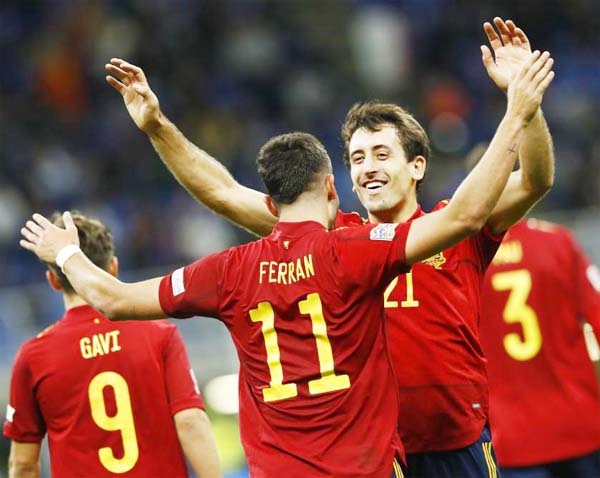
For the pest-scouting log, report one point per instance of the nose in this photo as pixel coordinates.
(370, 164)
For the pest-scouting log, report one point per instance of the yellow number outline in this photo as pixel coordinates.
(121, 421)
(329, 380)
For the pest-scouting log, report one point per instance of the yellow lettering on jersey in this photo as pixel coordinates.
(510, 252)
(308, 266)
(281, 273)
(291, 272)
(99, 344)
(286, 272)
(299, 270)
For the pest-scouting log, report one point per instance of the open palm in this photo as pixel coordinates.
(140, 100)
(510, 49)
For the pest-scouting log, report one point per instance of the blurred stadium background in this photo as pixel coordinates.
(230, 74)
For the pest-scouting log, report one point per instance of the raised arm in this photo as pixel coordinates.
(476, 197)
(198, 442)
(510, 49)
(104, 292)
(205, 178)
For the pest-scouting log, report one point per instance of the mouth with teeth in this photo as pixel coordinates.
(373, 185)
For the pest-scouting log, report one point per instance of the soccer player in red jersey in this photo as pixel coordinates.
(303, 305)
(433, 312)
(544, 392)
(115, 399)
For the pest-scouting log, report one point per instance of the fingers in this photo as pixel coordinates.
(486, 57)
(117, 85)
(42, 221)
(33, 229)
(517, 35)
(539, 63)
(125, 74)
(503, 30)
(515, 39)
(45, 239)
(124, 77)
(492, 35)
(26, 245)
(545, 75)
(31, 237)
(68, 220)
(545, 83)
(129, 68)
(537, 72)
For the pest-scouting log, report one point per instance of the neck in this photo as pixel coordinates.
(305, 209)
(401, 213)
(72, 300)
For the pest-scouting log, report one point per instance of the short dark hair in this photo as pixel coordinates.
(95, 240)
(289, 165)
(373, 115)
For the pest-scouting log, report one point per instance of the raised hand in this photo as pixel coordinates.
(510, 49)
(527, 88)
(45, 239)
(141, 102)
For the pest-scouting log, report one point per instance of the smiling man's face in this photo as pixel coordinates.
(383, 179)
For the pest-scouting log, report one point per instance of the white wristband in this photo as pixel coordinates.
(65, 254)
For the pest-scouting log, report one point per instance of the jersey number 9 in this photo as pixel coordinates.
(121, 421)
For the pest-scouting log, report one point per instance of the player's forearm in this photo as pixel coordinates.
(96, 286)
(476, 197)
(208, 181)
(536, 157)
(107, 294)
(23, 469)
(198, 443)
(201, 174)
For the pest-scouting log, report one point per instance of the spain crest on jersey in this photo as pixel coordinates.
(435, 261)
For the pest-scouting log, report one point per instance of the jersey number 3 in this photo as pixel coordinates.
(329, 381)
(121, 421)
(516, 311)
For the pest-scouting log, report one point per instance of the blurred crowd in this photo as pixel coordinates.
(232, 73)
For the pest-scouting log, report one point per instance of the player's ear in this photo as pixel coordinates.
(418, 167)
(330, 186)
(52, 279)
(272, 206)
(113, 267)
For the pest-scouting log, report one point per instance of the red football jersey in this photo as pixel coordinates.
(303, 306)
(432, 319)
(105, 392)
(544, 394)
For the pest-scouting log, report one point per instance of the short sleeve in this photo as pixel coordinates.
(194, 289)
(24, 420)
(487, 244)
(375, 253)
(180, 381)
